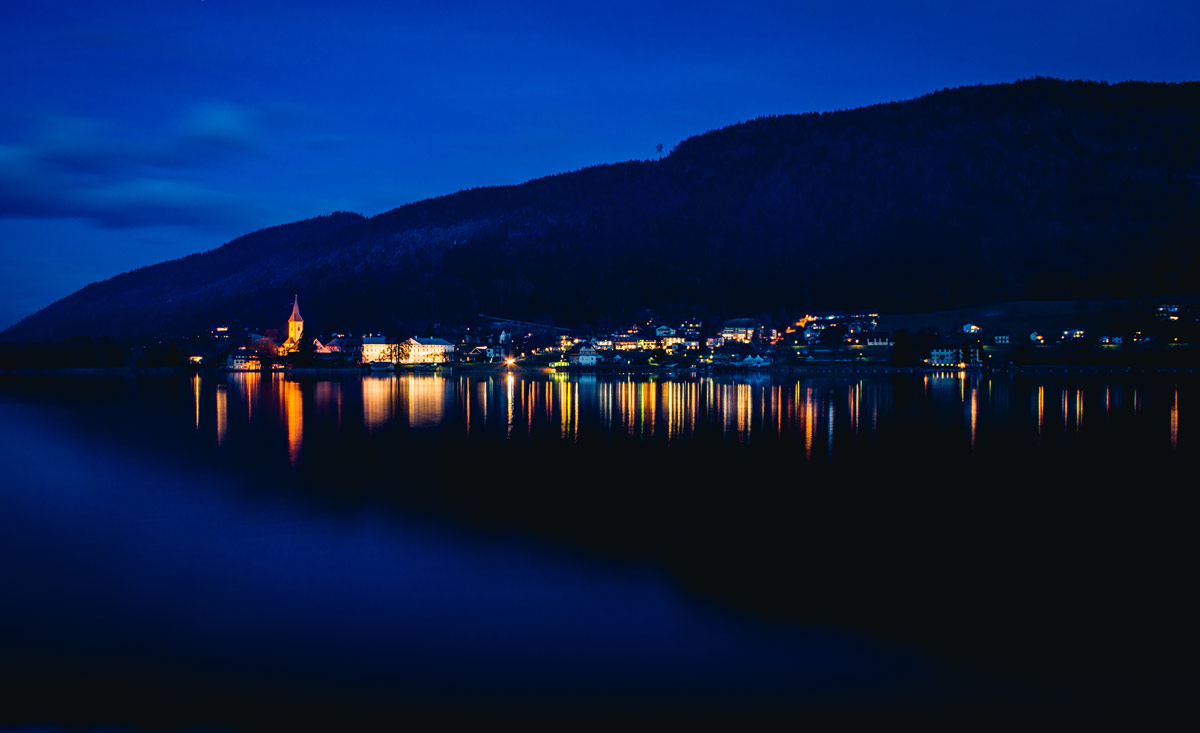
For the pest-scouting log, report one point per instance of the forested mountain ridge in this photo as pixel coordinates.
(1041, 189)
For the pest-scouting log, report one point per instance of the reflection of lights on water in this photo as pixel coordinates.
(736, 408)
(649, 405)
(196, 394)
(744, 406)
(672, 399)
(853, 404)
(783, 409)
(247, 387)
(603, 408)
(528, 405)
(222, 414)
(695, 391)
(630, 408)
(810, 422)
(464, 389)
(1041, 408)
(1175, 421)
(379, 400)
(510, 382)
(564, 408)
(829, 449)
(426, 400)
(293, 407)
(974, 411)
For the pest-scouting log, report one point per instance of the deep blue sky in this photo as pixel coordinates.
(133, 132)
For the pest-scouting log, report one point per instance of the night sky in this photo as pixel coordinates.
(134, 132)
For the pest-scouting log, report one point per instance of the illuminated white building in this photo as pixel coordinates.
(376, 348)
(428, 350)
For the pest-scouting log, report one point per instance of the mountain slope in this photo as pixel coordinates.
(1041, 189)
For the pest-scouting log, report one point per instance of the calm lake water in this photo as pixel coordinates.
(223, 548)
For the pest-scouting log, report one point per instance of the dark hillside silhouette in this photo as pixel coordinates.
(1038, 190)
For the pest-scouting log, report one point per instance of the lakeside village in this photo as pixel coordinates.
(846, 339)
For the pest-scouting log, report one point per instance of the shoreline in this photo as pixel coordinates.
(831, 368)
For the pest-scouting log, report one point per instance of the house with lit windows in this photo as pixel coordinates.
(583, 354)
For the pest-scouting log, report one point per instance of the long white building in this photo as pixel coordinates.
(376, 348)
(428, 350)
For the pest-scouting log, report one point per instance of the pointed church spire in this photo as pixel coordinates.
(296, 310)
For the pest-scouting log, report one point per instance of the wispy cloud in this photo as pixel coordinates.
(85, 168)
(220, 124)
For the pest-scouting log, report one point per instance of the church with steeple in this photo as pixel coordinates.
(295, 329)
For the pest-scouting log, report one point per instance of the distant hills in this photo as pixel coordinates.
(1038, 190)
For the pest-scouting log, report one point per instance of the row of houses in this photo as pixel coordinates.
(737, 338)
(585, 354)
(686, 337)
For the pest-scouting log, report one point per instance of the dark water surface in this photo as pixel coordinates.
(225, 549)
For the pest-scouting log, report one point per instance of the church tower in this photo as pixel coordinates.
(295, 329)
(295, 323)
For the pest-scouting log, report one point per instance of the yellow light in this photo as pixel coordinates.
(510, 362)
